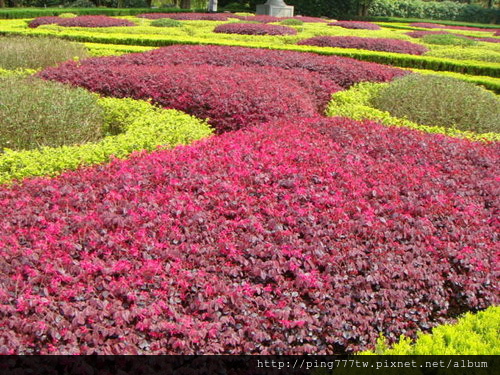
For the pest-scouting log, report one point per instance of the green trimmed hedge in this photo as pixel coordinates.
(473, 334)
(355, 103)
(13, 13)
(131, 125)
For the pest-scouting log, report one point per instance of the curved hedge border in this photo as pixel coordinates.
(358, 25)
(355, 103)
(254, 29)
(473, 334)
(395, 59)
(145, 128)
(372, 44)
(81, 21)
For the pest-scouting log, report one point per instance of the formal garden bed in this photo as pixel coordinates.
(261, 194)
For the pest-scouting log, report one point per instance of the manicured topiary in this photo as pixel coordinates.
(292, 22)
(372, 44)
(355, 25)
(166, 22)
(448, 40)
(441, 101)
(81, 21)
(299, 236)
(254, 29)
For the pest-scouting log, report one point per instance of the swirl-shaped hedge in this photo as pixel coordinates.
(372, 44)
(301, 236)
(356, 25)
(81, 21)
(254, 29)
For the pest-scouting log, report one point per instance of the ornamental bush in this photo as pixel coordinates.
(37, 52)
(81, 21)
(254, 29)
(301, 236)
(231, 97)
(166, 22)
(448, 40)
(355, 25)
(372, 44)
(439, 26)
(441, 101)
(292, 22)
(340, 70)
(36, 113)
(186, 16)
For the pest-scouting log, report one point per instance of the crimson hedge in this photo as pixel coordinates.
(312, 235)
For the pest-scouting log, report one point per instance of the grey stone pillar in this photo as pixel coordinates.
(276, 8)
(212, 6)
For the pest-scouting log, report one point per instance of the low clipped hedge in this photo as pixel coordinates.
(356, 103)
(472, 334)
(81, 21)
(356, 25)
(130, 125)
(166, 22)
(254, 29)
(372, 44)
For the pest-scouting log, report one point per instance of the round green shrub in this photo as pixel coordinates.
(441, 101)
(448, 40)
(67, 15)
(292, 22)
(166, 22)
(36, 113)
(39, 52)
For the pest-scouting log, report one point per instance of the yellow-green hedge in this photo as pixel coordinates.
(141, 125)
(473, 334)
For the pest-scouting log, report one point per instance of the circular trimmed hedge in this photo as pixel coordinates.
(254, 29)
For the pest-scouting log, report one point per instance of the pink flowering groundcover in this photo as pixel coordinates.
(309, 235)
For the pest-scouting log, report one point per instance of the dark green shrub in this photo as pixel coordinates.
(441, 101)
(292, 22)
(36, 53)
(36, 113)
(448, 40)
(166, 22)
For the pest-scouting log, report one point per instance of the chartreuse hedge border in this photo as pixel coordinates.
(355, 103)
(116, 36)
(140, 126)
(473, 334)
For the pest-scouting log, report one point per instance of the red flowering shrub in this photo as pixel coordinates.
(231, 97)
(44, 21)
(186, 16)
(310, 19)
(439, 26)
(305, 236)
(81, 21)
(497, 33)
(340, 70)
(372, 44)
(254, 29)
(355, 25)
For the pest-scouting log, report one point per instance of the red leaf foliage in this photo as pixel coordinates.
(234, 87)
(186, 16)
(81, 21)
(254, 29)
(311, 235)
(372, 44)
(355, 25)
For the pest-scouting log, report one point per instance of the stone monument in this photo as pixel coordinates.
(276, 8)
